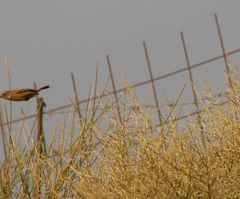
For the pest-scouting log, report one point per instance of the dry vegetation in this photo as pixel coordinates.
(101, 158)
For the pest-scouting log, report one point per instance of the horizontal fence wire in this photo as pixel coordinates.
(157, 78)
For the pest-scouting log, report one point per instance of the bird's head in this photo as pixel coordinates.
(5, 95)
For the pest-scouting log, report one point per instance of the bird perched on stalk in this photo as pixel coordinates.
(22, 94)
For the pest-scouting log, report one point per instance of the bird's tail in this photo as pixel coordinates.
(44, 87)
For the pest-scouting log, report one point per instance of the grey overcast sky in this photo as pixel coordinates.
(47, 40)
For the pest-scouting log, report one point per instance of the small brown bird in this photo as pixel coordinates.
(21, 94)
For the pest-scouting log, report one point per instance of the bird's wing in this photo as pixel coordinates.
(23, 90)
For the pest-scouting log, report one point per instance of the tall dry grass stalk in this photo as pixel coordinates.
(102, 158)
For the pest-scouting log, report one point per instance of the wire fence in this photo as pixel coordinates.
(186, 69)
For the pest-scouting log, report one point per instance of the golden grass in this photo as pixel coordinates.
(102, 158)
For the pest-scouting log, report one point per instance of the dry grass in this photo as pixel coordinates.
(102, 158)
